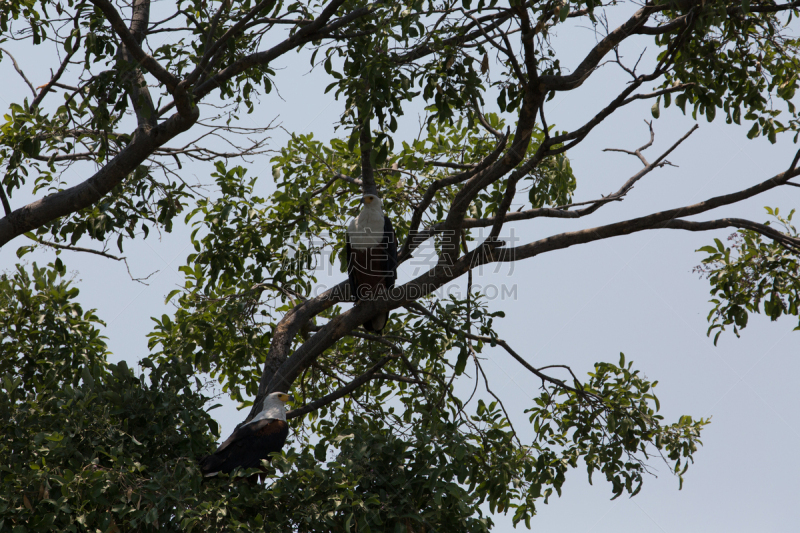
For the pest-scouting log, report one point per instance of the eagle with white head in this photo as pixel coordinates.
(371, 250)
(254, 441)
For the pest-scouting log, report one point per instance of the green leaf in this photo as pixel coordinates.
(461, 363)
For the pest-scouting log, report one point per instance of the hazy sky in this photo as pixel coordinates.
(633, 294)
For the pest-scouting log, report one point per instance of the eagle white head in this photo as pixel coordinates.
(366, 230)
(274, 407)
(372, 202)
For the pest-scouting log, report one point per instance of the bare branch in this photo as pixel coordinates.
(594, 205)
(19, 71)
(457, 166)
(55, 77)
(78, 249)
(653, 221)
(493, 340)
(95, 252)
(483, 122)
(638, 151)
(654, 94)
(495, 396)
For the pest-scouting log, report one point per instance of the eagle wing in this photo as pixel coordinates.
(247, 446)
(351, 266)
(371, 268)
(390, 242)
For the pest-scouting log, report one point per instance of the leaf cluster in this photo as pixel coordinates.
(750, 276)
(737, 61)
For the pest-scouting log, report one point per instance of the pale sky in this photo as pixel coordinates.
(633, 294)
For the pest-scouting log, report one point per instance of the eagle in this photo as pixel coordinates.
(371, 250)
(254, 441)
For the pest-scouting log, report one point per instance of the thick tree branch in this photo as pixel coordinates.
(139, 94)
(368, 185)
(288, 367)
(133, 44)
(741, 223)
(87, 193)
(532, 100)
(653, 221)
(590, 62)
(4, 199)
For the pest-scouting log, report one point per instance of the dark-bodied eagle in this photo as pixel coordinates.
(252, 442)
(371, 256)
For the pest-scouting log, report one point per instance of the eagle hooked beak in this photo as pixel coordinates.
(286, 397)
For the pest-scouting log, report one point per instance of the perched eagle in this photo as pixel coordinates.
(253, 441)
(371, 256)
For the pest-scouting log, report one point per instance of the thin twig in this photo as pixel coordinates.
(96, 252)
(486, 385)
(335, 395)
(19, 71)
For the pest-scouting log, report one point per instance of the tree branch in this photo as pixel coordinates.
(768, 231)
(315, 30)
(365, 143)
(415, 238)
(350, 387)
(19, 70)
(7, 206)
(54, 81)
(219, 43)
(494, 340)
(138, 93)
(590, 62)
(133, 44)
(87, 193)
(653, 221)
(95, 252)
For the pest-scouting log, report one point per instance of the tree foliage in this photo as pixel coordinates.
(94, 446)
(385, 437)
(750, 275)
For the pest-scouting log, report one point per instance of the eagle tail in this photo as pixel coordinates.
(210, 465)
(378, 322)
